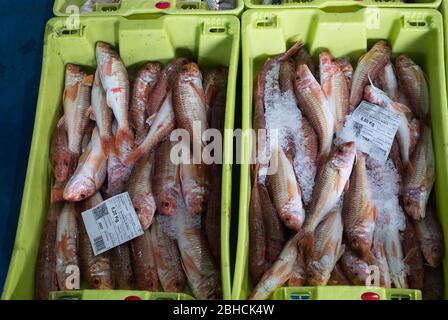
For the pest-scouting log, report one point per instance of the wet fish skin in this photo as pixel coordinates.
(380, 260)
(61, 157)
(330, 184)
(326, 249)
(285, 191)
(102, 114)
(90, 173)
(166, 180)
(388, 82)
(143, 87)
(279, 273)
(316, 108)
(165, 84)
(275, 234)
(434, 284)
(122, 268)
(215, 85)
(347, 69)
(334, 86)
(67, 249)
(257, 234)
(359, 210)
(76, 102)
(144, 264)
(198, 264)
(189, 102)
(45, 277)
(430, 235)
(419, 177)
(338, 277)
(356, 269)
(114, 77)
(168, 261)
(414, 85)
(298, 276)
(96, 270)
(395, 258)
(212, 219)
(414, 258)
(369, 66)
(140, 190)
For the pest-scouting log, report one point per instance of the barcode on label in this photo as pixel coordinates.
(100, 211)
(99, 244)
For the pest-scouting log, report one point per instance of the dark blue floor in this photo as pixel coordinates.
(21, 40)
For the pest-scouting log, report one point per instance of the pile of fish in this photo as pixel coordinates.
(114, 137)
(351, 220)
(89, 5)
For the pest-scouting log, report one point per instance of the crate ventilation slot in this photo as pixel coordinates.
(417, 23)
(267, 23)
(70, 32)
(300, 296)
(400, 297)
(217, 30)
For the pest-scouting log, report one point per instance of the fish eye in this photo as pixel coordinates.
(83, 196)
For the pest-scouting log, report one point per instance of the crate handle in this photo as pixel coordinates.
(267, 22)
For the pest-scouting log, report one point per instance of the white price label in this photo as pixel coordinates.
(112, 223)
(373, 130)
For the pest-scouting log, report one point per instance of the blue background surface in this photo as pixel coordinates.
(21, 40)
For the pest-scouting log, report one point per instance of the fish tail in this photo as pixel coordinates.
(107, 143)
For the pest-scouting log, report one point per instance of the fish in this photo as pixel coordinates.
(334, 86)
(419, 177)
(380, 260)
(57, 192)
(275, 235)
(408, 129)
(96, 270)
(166, 180)
(189, 103)
(118, 173)
(302, 56)
(88, 136)
(197, 262)
(163, 124)
(164, 85)
(76, 102)
(434, 284)
(220, 4)
(122, 268)
(139, 187)
(212, 218)
(298, 276)
(359, 214)
(168, 261)
(285, 191)
(195, 186)
(61, 158)
(102, 115)
(114, 77)
(414, 85)
(368, 68)
(347, 70)
(89, 6)
(338, 277)
(257, 234)
(279, 273)
(355, 268)
(215, 85)
(388, 82)
(144, 85)
(316, 108)
(395, 258)
(332, 181)
(46, 279)
(430, 236)
(286, 76)
(326, 248)
(414, 257)
(90, 173)
(144, 263)
(67, 249)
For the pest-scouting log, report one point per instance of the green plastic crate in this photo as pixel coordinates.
(139, 7)
(336, 5)
(211, 40)
(265, 33)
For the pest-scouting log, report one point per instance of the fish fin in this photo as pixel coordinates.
(91, 113)
(151, 119)
(410, 169)
(307, 242)
(107, 143)
(88, 80)
(370, 258)
(347, 185)
(410, 255)
(255, 172)
(61, 123)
